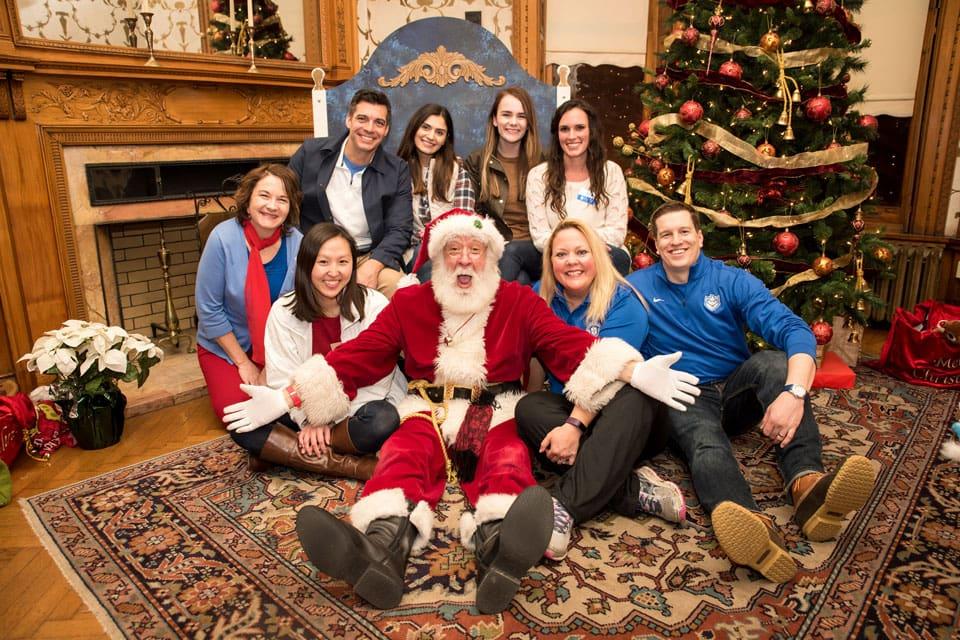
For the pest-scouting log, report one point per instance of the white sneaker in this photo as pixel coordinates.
(660, 497)
(560, 538)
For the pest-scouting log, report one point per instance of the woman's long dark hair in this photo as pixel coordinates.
(530, 151)
(445, 159)
(305, 305)
(556, 181)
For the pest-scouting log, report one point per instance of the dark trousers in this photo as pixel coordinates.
(722, 411)
(601, 477)
(521, 262)
(369, 428)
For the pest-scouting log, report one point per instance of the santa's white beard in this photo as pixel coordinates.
(454, 299)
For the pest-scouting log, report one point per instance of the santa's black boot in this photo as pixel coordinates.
(506, 549)
(374, 562)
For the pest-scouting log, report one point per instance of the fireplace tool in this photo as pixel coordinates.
(170, 329)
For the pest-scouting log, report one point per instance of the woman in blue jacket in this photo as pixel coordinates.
(248, 262)
(595, 455)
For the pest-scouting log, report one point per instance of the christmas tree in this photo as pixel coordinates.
(751, 122)
(230, 34)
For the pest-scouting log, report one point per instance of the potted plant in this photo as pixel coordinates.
(88, 359)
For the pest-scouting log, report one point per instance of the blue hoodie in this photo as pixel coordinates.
(705, 318)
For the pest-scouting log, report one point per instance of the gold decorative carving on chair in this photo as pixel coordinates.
(441, 67)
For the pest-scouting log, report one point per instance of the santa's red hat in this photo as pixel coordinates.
(454, 224)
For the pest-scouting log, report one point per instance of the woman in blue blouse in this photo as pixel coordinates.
(595, 454)
(247, 263)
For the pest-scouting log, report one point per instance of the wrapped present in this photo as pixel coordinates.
(834, 373)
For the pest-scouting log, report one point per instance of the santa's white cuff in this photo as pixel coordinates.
(388, 503)
(492, 506)
(595, 381)
(324, 400)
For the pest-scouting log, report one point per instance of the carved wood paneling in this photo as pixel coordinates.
(529, 36)
(137, 103)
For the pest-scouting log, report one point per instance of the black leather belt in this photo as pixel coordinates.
(485, 395)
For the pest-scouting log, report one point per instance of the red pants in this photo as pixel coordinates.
(223, 380)
(411, 459)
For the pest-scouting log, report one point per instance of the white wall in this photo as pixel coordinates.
(596, 32)
(895, 29)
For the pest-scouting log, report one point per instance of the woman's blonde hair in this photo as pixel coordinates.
(604, 286)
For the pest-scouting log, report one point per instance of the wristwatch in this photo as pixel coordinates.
(796, 390)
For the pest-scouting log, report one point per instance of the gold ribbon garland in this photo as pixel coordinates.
(791, 60)
(725, 220)
(809, 275)
(744, 151)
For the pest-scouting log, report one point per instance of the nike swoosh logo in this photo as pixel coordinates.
(658, 299)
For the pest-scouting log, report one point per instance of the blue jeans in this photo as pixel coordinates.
(369, 428)
(521, 262)
(729, 408)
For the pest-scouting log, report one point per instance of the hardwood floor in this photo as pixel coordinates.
(37, 601)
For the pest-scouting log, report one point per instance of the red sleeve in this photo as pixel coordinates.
(559, 346)
(371, 355)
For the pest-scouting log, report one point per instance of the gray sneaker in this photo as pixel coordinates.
(660, 497)
(560, 538)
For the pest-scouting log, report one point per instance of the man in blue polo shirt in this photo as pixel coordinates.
(701, 306)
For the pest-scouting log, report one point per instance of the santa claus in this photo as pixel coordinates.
(466, 338)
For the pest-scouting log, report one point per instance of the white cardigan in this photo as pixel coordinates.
(610, 222)
(288, 343)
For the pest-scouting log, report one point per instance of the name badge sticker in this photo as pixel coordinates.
(585, 196)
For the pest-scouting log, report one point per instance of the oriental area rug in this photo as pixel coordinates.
(194, 545)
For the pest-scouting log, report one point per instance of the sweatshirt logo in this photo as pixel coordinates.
(712, 302)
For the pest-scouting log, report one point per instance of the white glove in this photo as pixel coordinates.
(655, 378)
(264, 406)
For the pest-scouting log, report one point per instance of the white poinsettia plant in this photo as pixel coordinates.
(89, 358)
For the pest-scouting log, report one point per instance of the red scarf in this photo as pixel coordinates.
(257, 290)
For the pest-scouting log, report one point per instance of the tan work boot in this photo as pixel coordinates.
(751, 539)
(283, 447)
(822, 502)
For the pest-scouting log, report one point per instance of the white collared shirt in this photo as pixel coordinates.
(345, 195)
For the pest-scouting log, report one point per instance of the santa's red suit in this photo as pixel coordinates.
(491, 346)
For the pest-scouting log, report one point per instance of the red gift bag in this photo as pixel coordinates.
(16, 415)
(917, 351)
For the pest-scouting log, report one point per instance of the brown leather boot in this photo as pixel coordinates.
(282, 447)
(340, 438)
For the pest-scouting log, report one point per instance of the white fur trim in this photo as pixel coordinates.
(464, 360)
(594, 383)
(492, 506)
(407, 280)
(324, 400)
(466, 225)
(387, 503)
(950, 450)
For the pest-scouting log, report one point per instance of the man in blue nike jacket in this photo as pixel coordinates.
(701, 307)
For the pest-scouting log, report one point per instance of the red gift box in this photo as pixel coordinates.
(834, 373)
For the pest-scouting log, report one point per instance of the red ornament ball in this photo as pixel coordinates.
(822, 331)
(655, 165)
(767, 149)
(661, 81)
(710, 149)
(665, 177)
(744, 260)
(731, 69)
(644, 128)
(289, 56)
(257, 20)
(818, 108)
(742, 114)
(825, 7)
(786, 243)
(858, 224)
(691, 36)
(640, 161)
(869, 122)
(691, 111)
(216, 6)
(833, 145)
(643, 260)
